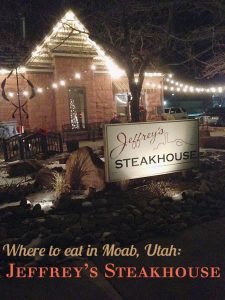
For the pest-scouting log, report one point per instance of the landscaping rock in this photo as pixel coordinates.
(177, 197)
(113, 216)
(87, 205)
(3, 233)
(23, 167)
(36, 211)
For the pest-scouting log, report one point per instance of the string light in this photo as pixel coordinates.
(55, 85)
(192, 89)
(11, 94)
(21, 69)
(62, 82)
(153, 74)
(176, 86)
(77, 76)
(69, 15)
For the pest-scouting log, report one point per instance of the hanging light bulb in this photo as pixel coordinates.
(11, 94)
(62, 82)
(70, 15)
(55, 85)
(39, 90)
(25, 93)
(77, 76)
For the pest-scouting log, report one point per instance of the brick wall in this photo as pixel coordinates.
(65, 69)
(103, 97)
(50, 109)
(153, 98)
(42, 107)
(7, 108)
(98, 90)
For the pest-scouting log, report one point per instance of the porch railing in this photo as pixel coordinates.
(28, 146)
(92, 131)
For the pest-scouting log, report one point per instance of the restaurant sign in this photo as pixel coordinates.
(138, 150)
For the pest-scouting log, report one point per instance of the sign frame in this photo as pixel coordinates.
(106, 146)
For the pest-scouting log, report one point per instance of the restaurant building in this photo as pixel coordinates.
(75, 84)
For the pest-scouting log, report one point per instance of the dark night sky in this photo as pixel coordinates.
(41, 15)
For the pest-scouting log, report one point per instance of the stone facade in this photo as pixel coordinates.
(153, 100)
(50, 110)
(7, 108)
(42, 109)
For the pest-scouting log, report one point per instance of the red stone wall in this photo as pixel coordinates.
(99, 96)
(42, 107)
(50, 109)
(65, 69)
(153, 98)
(7, 108)
(103, 97)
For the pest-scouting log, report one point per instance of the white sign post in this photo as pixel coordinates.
(138, 150)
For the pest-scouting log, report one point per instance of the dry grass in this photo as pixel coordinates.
(153, 189)
(60, 187)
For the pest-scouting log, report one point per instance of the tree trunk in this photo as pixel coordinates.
(135, 92)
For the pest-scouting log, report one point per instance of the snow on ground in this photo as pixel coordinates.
(45, 199)
(5, 180)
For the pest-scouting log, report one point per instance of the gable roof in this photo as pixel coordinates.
(70, 38)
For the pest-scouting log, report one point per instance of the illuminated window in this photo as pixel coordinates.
(77, 107)
(122, 105)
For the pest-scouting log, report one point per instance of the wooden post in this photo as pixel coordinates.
(4, 147)
(44, 145)
(60, 142)
(21, 147)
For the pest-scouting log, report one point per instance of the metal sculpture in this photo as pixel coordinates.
(19, 106)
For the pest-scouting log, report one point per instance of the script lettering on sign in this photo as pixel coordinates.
(152, 148)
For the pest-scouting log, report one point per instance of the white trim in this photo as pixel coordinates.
(72, 54)
(41, 70)
(101, 72)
